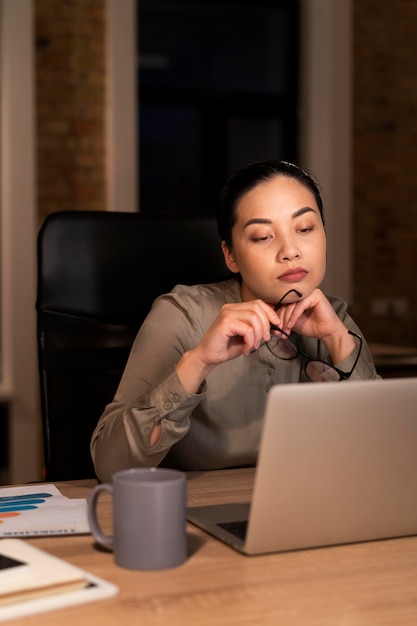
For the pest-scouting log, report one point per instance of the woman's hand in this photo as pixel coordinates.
(239, 329)
(314, 316)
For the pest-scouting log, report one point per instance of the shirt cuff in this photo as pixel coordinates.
(171, 399)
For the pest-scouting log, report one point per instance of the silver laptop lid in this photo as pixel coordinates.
(337, 464)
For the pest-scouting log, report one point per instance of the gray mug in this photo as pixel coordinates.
(149, 518)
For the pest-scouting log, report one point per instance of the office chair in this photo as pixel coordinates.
(98, 274)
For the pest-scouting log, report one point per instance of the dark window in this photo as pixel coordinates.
(217, 89)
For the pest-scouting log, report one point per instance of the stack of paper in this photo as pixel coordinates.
(33, 581)
(39, 574)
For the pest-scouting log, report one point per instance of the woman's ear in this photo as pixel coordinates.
(229, 258)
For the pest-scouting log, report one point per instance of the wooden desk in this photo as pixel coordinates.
(360, 584)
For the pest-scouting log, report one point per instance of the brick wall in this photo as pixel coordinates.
(384, 166)
(70, 101)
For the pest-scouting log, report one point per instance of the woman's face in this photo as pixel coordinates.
(278, 241)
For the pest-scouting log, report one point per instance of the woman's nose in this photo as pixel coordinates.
(288, 250)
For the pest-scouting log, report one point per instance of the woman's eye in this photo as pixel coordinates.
(260, 236)
(307, 229)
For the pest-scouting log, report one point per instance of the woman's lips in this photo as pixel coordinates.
(294, 276)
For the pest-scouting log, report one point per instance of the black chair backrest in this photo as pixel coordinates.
(98, 274)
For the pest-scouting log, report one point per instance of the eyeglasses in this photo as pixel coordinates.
(283, 346)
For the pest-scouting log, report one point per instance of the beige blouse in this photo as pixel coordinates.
(218, 427)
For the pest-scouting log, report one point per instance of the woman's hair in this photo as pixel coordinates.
(249, 177)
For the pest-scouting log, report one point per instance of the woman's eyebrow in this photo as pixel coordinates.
(257, 220)
(263, 220)
(305, 209)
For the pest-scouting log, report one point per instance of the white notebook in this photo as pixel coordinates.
(34, 581)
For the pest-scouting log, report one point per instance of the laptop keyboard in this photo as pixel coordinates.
(237, 528)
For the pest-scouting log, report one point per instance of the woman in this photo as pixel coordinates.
(193, 393)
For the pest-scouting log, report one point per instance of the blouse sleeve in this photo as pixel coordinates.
(365, 368)
(149, 392)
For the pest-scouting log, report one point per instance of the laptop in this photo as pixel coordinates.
(337, 464)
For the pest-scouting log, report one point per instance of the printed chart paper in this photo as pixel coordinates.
(35, 510)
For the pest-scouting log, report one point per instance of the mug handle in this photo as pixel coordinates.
(105, 540)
